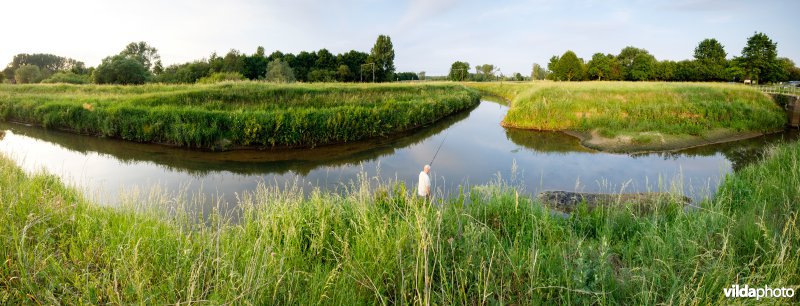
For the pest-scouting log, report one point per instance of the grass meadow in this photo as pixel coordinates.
(614, 108)
(240, 114)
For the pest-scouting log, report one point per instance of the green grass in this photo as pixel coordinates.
(250, 114)
(375, 244)
(615, 108)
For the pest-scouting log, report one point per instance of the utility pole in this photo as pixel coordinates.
(373, 71)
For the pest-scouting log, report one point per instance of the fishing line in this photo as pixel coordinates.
(440, 147)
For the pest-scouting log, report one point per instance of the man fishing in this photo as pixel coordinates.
(424, 187)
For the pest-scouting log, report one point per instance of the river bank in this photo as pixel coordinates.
(625, 117)
(235, 115)
(376, 243)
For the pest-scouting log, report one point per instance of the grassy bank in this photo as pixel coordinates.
(221, 116)
(374, 244)
(642, 116)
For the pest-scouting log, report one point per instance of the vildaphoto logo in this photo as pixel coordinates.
(736, 291)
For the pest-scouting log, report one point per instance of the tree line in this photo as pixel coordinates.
(759, 63)
(140, 63)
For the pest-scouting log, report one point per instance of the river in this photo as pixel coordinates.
(477, 150)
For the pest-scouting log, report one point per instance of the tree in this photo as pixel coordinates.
(47, 63)
(599, 67)
(459, 71)
(280, 72)
(353, 59)
(255, 65)
(343, 73)
(625, 60)
(569, 67)
(407, 76)
(120, 69)
(788, 70)
(382, 55)
(142, 52)
(665, 71)
(551, 66)
(760, 58)
(485, 72)
(421, 75)
(710, 56)
(27, 74)
(643, 67)
(538, 72)
(518, 77)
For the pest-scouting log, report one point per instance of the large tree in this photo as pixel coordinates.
(459, 71)
(144, 53)
(569, 67)
(643, 67)
(599, 67)
(711, 63)
(382, 56)
(625, 59)
(120, 69)
(760, 58)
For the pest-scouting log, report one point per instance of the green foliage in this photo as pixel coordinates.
(143, 53)
(643, 67)
(27, 74)
(407, 76)
(47, 63)
(185, 73)
(68, 77)
(599, 67)
(238, 114)
(221, 77)
(377, 244)
(382, 55)
(569, 67)
(121, 69)
(760, 58)
(711, 62)
(459, 71)
(279, 72)
(538, 73)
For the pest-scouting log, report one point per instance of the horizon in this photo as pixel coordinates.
(512, 35)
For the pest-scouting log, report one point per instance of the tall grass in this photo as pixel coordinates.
(374, 243)
(234, 114)
(624, 107)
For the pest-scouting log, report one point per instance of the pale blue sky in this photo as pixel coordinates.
(427, 35)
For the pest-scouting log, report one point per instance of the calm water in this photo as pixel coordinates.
(477, 150)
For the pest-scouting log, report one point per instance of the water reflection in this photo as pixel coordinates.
(477, 150)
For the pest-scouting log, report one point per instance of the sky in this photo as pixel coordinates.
(428, 35)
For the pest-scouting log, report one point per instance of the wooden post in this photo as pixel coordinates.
(794, 112)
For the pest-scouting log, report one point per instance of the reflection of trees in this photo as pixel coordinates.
(279, 161)
(545, 142)
(740, 153)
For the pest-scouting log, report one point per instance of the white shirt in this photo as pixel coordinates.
(424, 184)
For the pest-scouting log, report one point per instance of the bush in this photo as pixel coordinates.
(68, 78)
(221, 77)
(27, 74)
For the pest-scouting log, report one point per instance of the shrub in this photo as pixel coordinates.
(68, 78)
(221, 77)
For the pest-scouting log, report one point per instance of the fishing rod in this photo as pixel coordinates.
(440, 147)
